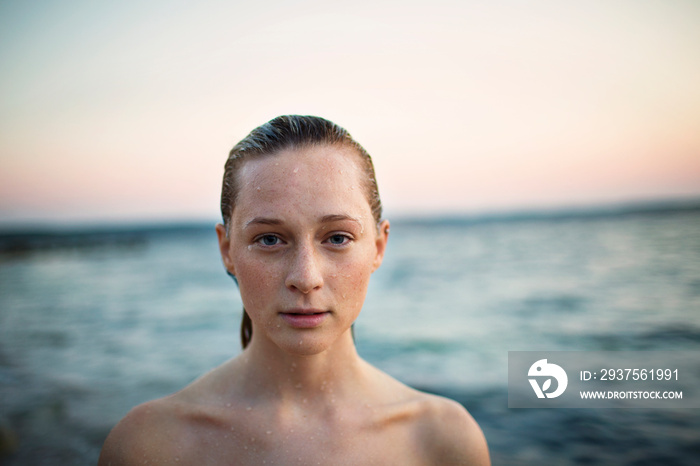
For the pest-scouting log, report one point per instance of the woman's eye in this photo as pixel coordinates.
(338, 239)
(268, 240)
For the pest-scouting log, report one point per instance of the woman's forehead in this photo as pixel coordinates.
(312, 164)
(327, 178)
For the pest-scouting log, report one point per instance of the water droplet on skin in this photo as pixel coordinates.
(177, 459)
(228, 405)
(257, 188)
(245, 447)
(300, 342)
(312, 437)
(298, 385)
(278, 325)
(268, 432)
(291, 431)
(296, 170)
(304, 400)
(248, 408)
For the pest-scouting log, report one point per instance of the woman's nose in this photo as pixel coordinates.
(305, 271)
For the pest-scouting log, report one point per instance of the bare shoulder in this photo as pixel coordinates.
(148, 432)
(442, 429)
(449, 434)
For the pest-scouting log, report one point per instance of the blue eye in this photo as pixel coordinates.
(338, 239)
(268, 240)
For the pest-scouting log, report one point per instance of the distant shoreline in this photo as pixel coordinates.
(46, 235)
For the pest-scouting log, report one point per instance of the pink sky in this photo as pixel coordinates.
(127, 111)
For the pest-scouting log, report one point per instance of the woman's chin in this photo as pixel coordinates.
(305, 342)
(305, 345)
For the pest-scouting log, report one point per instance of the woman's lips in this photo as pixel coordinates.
(304, 318)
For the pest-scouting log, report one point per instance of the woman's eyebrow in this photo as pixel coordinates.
(339, 217)
(324, 219)
(263, 221)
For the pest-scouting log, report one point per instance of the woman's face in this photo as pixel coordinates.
(302, 245)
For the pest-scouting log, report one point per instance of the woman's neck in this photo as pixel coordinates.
(270, 372)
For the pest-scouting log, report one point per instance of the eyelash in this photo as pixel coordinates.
(260, 239)
(340, 235)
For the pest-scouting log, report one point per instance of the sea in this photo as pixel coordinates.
(94, 321)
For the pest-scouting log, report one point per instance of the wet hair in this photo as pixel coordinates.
(275, 136)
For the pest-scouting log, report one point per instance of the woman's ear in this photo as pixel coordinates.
(380, 243)
(225, 248)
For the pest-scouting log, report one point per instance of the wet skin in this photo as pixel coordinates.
(303, 244)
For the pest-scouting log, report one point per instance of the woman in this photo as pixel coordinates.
(302, 233)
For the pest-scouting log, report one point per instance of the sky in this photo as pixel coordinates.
(126, 111)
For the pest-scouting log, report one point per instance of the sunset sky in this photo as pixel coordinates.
(126, 111)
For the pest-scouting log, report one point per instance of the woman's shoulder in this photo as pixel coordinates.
(449, 434)
(442, 428)
(169, 428)
(146, 431)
